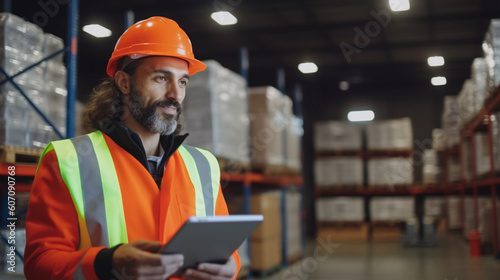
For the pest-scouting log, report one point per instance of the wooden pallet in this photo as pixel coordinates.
(232, 166)
(12, 154)
(266, 272)
(385, 230)
(343, 231)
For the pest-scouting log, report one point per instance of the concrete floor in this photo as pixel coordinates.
(390, 261)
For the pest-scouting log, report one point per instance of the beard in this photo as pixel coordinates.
(149, 117)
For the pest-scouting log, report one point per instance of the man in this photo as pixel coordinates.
(103, 204)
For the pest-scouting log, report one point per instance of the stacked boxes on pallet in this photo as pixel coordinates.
(343, 170)
(341, 218)
(340, 171)
(434, 207)
(390, 209)
(491, 49)
(451, 120)
(294, 132)
(216, 113)
(438, 139)
(466, 101)
(275, 132)
(267, 127)
(495, 125)
(387, 213)
(389, 136)
(340, 209)
(453, 213)
(431, 168)
(488, 233)
(293, 225)
(482, 153)
(479, 72)
(266, 240)
(23, 44)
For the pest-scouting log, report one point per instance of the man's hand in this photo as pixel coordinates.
(139, 260)
(210, 271)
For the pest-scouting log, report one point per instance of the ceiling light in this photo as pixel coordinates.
(224, 18)
(97, 30)
(361, 116)
(399, 5)
(435, 61)
(308, 67)
(344, 85)
(438, 81)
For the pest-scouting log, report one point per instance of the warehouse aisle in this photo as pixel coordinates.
(383, 261)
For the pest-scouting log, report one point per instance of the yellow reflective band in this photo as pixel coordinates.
(115, 217)
(195, 179)
(46, 150)
(67, 158)
(215, 170)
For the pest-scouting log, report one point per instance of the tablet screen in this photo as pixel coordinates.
(211, 239)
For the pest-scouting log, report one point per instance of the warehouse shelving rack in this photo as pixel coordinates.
(249, 182)
(482, 122)
(483, 184)
(365, 190)
(24, 173)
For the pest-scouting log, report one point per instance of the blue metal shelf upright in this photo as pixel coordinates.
(71, 51)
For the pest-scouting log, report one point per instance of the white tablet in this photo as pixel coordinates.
(211, 239)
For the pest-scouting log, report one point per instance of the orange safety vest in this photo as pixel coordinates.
(117, 200)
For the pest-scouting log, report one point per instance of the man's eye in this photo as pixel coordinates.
(160, 78)
(183, 83)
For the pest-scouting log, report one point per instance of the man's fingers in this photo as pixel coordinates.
(227, 270)
(215, 269)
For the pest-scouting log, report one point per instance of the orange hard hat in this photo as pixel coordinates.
(154, 36)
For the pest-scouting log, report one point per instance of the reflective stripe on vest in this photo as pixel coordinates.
(204, 173)
(81, 169)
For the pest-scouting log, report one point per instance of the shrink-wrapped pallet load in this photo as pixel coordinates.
(216, 114)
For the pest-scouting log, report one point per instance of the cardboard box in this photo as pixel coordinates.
(266, 254)
(267, 204)
(337, 136)
(294, 132)
(386, 172)
(453, 212)
(354, 232)
(392, 208)
(335, 209)
(338, 171)
(216, 113)
(395, 134)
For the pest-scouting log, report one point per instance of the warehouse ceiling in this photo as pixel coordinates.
(358, 41)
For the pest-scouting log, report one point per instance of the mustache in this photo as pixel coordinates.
(168, 103)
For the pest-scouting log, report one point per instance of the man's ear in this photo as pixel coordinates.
(122, 81)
